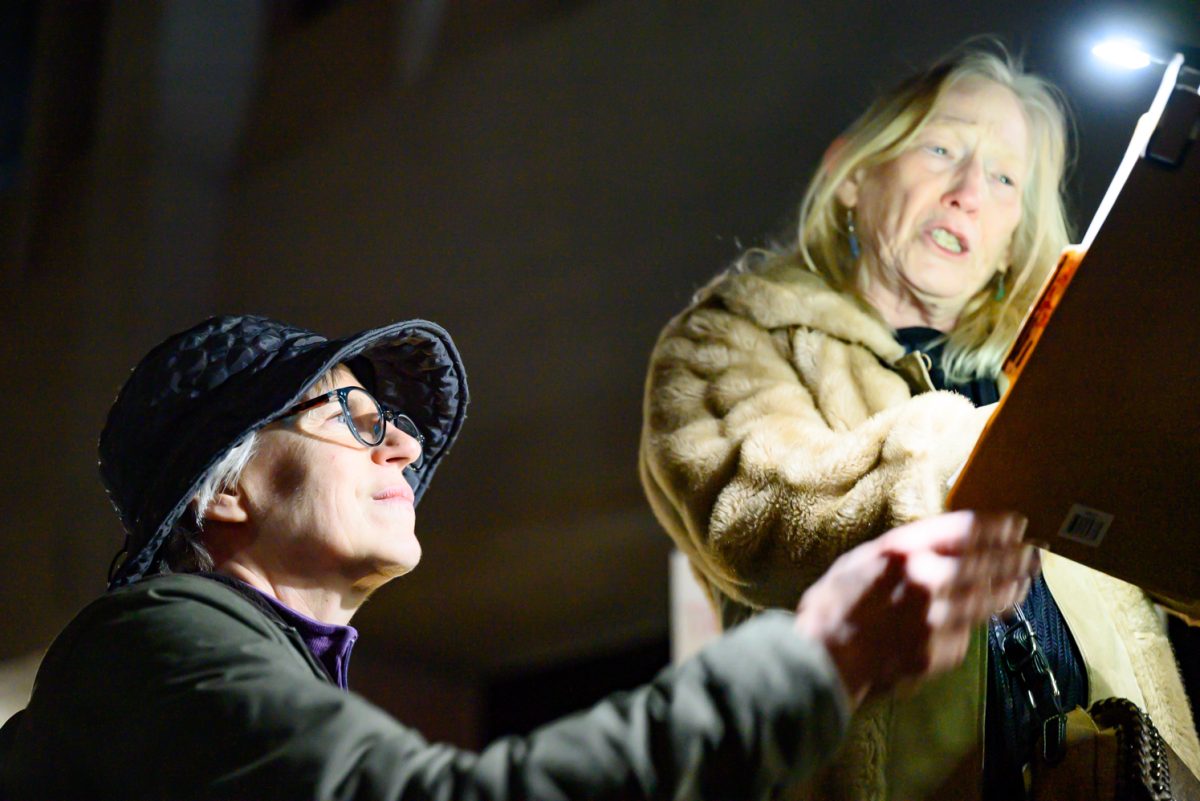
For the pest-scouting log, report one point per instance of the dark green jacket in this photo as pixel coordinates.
(181, 687)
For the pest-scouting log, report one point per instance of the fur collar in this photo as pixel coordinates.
(784, 295)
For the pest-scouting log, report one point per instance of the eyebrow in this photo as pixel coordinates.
(952, 118)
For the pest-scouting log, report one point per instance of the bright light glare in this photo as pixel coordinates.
(1124, 53)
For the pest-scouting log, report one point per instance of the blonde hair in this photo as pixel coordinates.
(987, 325)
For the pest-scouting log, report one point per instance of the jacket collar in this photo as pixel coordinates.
(781, 294)
(260, 602)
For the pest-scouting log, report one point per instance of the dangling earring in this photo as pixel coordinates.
(999, 286)
(852, 234)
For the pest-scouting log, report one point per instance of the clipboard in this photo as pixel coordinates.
(1097, 440)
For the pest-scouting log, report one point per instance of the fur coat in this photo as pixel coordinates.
(783, 425)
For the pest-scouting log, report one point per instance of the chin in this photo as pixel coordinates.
(383, 571)
(397, 569)
(383, 561)
(404, 559)
(950, 281)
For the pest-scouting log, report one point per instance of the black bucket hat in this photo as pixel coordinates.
(200, 393)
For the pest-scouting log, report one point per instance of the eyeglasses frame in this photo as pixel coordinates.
(386, 414)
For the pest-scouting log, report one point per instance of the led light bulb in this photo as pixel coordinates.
(1124, 53)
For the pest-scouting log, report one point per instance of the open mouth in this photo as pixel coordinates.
(948, 240)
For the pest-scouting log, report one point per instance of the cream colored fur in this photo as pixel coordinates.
(1139, 625)
(777, 437)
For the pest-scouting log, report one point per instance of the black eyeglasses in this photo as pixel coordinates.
(366, 417)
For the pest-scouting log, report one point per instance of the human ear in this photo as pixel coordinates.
(847, 190)
(226, 507)
(1005, 263)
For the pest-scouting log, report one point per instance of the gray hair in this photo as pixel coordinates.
(183, 552)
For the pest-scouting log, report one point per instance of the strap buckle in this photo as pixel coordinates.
(1024, 659)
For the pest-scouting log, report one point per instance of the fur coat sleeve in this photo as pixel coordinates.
(776, 436)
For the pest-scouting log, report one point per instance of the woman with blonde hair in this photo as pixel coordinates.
(818, 394)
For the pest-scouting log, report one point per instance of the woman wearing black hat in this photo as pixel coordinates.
(267, 479)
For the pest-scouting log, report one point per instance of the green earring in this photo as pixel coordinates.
(1000, 287)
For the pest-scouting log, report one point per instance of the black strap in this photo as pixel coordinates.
(1024, 660)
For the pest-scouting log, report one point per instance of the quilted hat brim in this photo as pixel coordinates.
(412, 366)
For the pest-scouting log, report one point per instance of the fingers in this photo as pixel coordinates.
(953, 622)
(991, 566)
(947, 650)
(1009, 594)
(905, 604)
(946, 533)
(959, 571)
(991, 569)
(962, 533)
(979, 581)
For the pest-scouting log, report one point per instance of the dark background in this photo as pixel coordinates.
(549, 180)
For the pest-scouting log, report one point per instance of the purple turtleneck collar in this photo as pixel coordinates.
(330, 643)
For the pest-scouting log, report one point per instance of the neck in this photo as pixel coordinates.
(320, 601)
(903, 307)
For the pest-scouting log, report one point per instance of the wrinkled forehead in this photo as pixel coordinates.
(984, 107)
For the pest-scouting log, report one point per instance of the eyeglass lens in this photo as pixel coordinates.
(367, 417)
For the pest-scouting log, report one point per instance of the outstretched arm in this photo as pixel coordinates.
(180, 691)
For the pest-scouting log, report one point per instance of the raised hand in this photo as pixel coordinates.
(903, 605)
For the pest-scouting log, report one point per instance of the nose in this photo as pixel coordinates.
(966, 188)
(398, 448)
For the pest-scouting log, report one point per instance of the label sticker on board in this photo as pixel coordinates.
(1085, 524)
